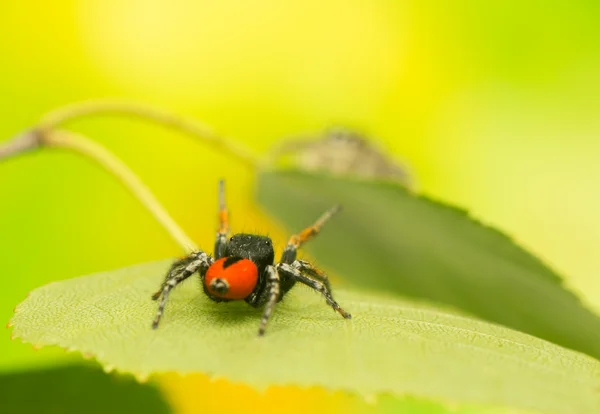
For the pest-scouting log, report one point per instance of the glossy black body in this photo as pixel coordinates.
(257, 248)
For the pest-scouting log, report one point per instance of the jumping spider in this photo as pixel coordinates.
(243, 269)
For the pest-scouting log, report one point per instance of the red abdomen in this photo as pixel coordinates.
(231, 278)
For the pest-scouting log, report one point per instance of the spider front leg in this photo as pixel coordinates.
(305, 267)
(273, 281)
(293, 272)
(179, 271)
(297, 240)
(223, 231)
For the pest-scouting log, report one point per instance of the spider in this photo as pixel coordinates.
(243, 268)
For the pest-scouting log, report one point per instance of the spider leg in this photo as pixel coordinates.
(180, 271)
(305, 267)
(273, 281)
(294, 273)
(297, 240)
(223, 231)
(176, 268)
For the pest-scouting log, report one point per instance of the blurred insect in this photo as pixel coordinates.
(344, 152)
(243, 268)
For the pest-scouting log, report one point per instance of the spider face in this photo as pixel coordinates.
(243, 268)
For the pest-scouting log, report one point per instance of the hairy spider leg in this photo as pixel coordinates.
(180, 271)
(305, 267)
(273, 281)
(297, 240)
(290, 252)
(292, 272)
(223, 230)
(175, 268)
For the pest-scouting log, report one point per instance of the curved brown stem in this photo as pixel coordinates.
(82, 145)
(195, 129)
(36, 139)
(25, 142)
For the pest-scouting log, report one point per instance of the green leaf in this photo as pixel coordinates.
(76, 389)
(391, 240)
(389, 347)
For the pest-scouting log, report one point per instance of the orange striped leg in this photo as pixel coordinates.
(297, 240)
(223, 230)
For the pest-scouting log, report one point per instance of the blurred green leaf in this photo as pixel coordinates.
(77, 389)
(389, 347)
(388, 239)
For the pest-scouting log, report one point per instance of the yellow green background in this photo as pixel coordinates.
(495, 107)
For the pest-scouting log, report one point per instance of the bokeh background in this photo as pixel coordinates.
(494, 106)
